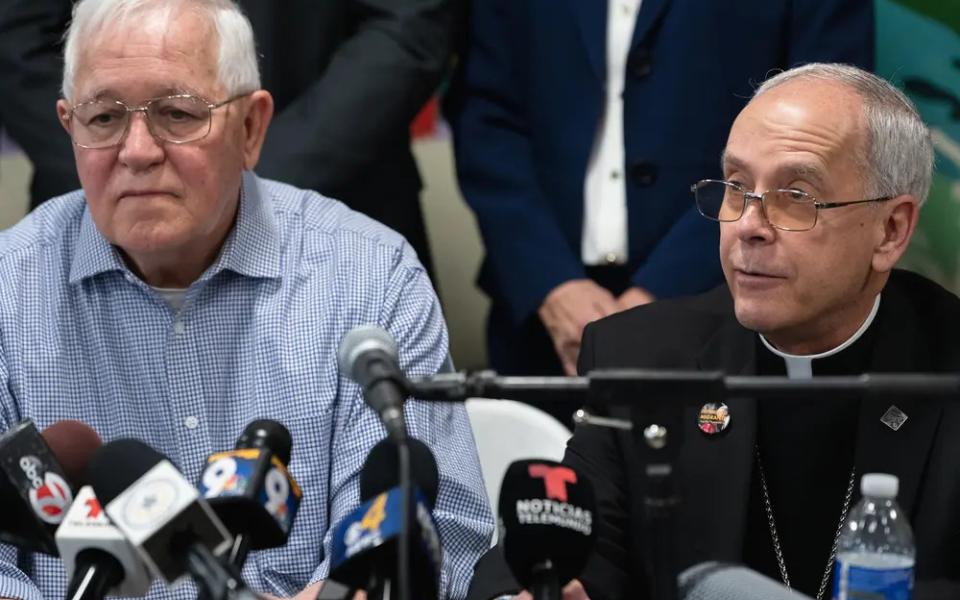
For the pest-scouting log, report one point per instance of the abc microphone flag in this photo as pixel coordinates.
(34, 489)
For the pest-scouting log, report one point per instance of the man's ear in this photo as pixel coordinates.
(62, 109)
(259, 113)
(899, 219)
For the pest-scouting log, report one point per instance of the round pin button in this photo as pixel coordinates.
(714, 418)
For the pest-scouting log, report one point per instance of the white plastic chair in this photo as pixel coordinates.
(506, 431)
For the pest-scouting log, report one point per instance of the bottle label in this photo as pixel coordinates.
(854, 582)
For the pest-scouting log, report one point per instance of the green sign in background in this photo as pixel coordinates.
(918, 48)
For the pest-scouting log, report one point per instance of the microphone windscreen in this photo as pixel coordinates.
(547, 512)
(362, 339)
(115, 466)
(269, 435)
(73, 444)
(381, 470)
(719, 581)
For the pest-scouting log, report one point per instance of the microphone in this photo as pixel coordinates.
(547, 515)
(97, 557)
(163, 517)
(719, 581)
(368, 355)
(381, 470)
(366, 543)
(34, 490)
(251, 491)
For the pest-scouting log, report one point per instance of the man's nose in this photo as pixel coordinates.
(139, 148)
(753, 224)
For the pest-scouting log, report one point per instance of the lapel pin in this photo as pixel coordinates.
(894, 418)
(714, 418)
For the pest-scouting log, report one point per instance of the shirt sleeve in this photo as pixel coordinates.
(14, 583)
(411, 314)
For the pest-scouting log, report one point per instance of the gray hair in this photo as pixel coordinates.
(237, 69)
(898, 153)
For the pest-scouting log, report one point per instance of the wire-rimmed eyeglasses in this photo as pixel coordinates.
(177, 119)
(787, 210)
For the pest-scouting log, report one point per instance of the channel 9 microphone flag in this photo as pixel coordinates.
(547, 518)
(250, 488)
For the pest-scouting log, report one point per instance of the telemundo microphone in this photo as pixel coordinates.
(547, 525)
(368, 355)
(173, 529)
(251, 490)
(720, 581)
(35, 487)
(366, 542)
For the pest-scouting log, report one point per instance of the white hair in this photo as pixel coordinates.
(898, 152)
(237, 69)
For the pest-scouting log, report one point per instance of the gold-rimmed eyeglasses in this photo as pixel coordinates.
(177, 119)
(787, 210)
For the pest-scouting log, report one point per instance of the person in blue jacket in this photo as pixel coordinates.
(579, 127)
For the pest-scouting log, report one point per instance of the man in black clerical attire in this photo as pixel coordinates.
(825, 171)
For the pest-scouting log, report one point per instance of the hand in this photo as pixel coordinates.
(572, 591)
(634, 296)
(566, 311)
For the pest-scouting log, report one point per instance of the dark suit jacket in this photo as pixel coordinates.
(348, 76)
(527, 102)
(918, 331)
(30, 76)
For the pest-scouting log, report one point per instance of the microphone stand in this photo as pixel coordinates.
(657, 399)
(96, 572)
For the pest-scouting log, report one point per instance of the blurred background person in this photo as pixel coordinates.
(578, 129)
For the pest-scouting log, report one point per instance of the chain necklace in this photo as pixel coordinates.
(768, 507)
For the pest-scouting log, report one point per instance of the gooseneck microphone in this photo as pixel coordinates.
(367, 542)
(251, 490)
(547, 513)
(368, 355)
(34, 486)
(164, 518)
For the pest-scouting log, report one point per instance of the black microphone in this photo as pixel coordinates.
(34, 489)
(381, 469)
(367, 542)
(719, 581)
(547, 519)
(368, 355)
(163, 516)
(251, 490)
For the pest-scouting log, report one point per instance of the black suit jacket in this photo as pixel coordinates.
(348, 76)
(918, 331)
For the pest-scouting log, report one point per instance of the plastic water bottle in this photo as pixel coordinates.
(875, 556)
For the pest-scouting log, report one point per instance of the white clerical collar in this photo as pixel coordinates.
(801, 366)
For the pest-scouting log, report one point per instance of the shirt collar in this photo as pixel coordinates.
(801, 366)
(252, 247)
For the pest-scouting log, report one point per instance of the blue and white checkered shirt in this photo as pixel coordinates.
(82, 337)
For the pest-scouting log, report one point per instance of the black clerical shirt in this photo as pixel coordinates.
(807, 448)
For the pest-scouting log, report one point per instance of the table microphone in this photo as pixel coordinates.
(164, 518)
(34, 486)
(251, 490)
(547, 525)
(367, 541)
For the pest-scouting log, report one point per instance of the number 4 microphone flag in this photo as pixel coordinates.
(918, 49)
